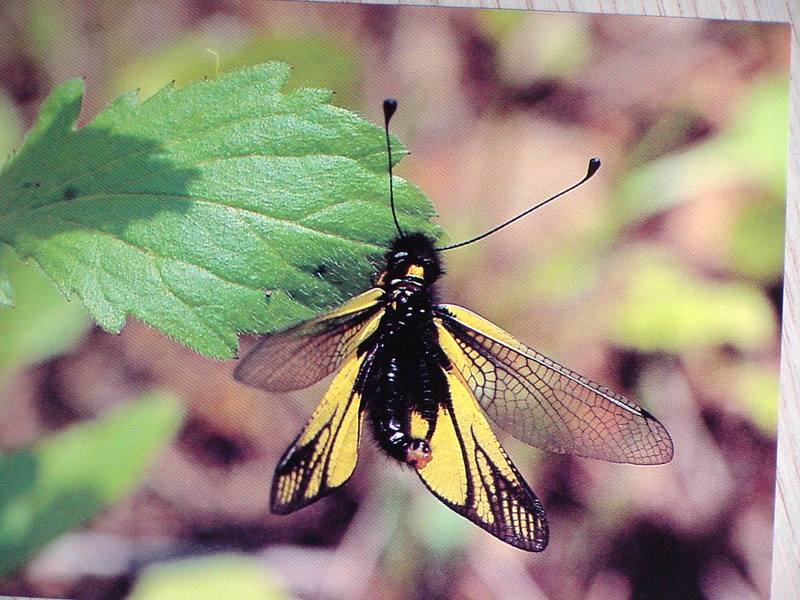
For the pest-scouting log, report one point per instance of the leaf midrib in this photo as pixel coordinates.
(11, 217)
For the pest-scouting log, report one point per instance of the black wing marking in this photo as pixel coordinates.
(306, 353)
(545, 404)
(471, 473)
(323, 457)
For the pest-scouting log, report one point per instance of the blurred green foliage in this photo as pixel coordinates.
(564, 273)
(68, 477)
(317, 60)
(668, 309)
(47, 25)
(757, 389)
(208, 578)
(499, 24)
(757, 242)
(437, 529)
(42, 323)
(663, 136)
(751, 150)
(529, 50)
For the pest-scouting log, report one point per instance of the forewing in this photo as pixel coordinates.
(471, 473)
(543, 403)
(324, 455)
(306, 353)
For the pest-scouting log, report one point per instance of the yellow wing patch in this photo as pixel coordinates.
(324, 455)
(471, 473)
(419, 426)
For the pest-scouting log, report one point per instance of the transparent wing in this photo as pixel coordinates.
(543, 403)
(302, 355)
(470, 472)
(323, 457)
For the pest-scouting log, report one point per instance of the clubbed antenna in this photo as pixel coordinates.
(389, 108)
(594, 164)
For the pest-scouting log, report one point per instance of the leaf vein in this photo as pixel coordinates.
(163, 145)
(155, 256)
(192, 307)
(207, 201)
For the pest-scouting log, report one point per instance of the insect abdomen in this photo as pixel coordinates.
(406, 383)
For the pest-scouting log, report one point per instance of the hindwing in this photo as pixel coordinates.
(323, 457)
(472, 474)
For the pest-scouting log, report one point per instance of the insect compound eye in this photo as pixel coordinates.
(398, 258)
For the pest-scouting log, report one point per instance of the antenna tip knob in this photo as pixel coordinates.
(389, 107)
(594, 164)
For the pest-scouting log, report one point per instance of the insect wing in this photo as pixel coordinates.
(306, 353)
(324, 455)
(545, 404)
(471, 473)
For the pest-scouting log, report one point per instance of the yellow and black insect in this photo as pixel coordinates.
(420, 375)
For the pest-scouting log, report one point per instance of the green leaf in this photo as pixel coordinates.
(668, 309)
(208, 578)
(42, 323)
(67, 478)
(225, 206)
